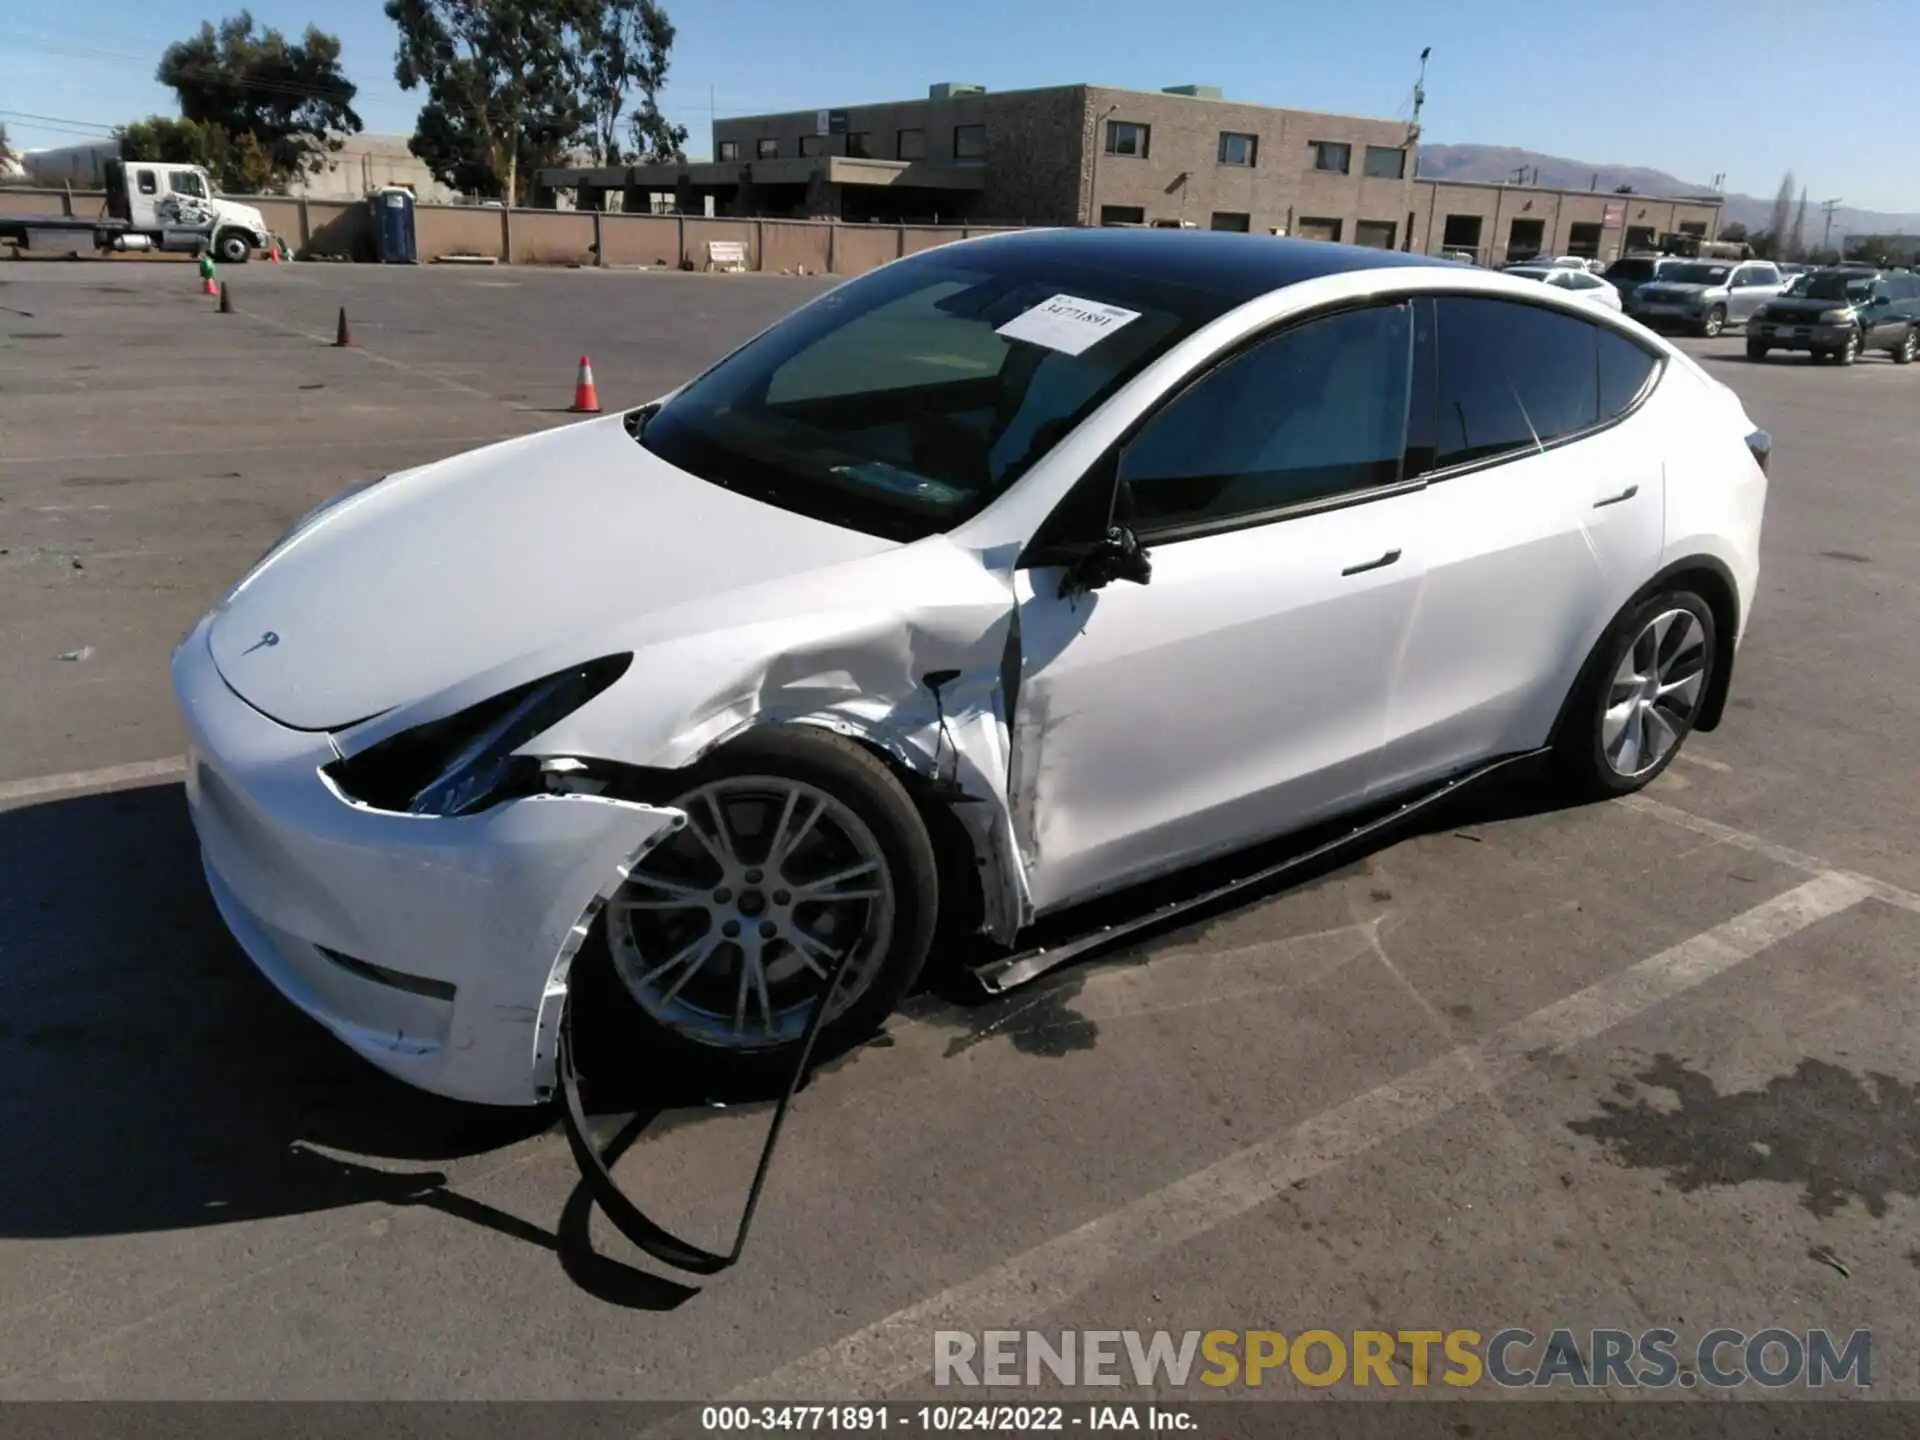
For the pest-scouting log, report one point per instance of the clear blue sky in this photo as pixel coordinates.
(1751, 89)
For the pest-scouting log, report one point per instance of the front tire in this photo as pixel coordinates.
(1715, 322)
(801, 850)
(1758, 349)
(230, 247)
(1640, 694)
(1849, 351)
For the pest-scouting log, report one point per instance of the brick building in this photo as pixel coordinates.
(1090, 154)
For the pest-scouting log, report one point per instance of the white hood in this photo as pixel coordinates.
(440, 573)
(232, 213)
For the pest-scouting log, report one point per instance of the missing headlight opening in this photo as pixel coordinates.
(466, 762)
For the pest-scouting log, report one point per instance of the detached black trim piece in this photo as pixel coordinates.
(997, 977)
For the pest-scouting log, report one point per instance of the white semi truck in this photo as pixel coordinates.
(150, 206)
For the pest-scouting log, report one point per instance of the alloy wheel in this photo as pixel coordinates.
(1715, 321)
(727, 932)
(1655, 693)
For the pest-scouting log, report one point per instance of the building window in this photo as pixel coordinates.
(1524, 239)
(1462, 232)
(1384, 162)
(1126, 138)
(1331, 155)
(813, 144)
(1694, 227)
(1238, 149)
(1379, 234)
(1316, 227)
(911, 145)
(767, 149)
(1123, 215)
(1237, 221)
(857, 145)
(1641, 237)
(729, 149)
(1583, 239)
(969, 142)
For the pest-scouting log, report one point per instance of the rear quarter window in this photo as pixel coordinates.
(1511, 377)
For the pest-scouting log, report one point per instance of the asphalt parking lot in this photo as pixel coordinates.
(1647, 1064)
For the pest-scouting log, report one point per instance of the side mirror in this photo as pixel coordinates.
(1118, 556)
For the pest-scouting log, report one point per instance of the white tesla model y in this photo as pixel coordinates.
(1010, 574)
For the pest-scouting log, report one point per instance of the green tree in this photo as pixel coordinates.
(504, 82)
(281, 105)
(628, 45)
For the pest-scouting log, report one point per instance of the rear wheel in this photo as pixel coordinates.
(802, 853)
(1908, 348)
(1757, 349)
(1640, 694)
(1715, 322)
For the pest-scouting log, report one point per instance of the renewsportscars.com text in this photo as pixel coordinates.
(1512, 1358)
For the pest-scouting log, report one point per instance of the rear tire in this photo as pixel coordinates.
(801, 809)
(1639, 695)
(1908, 348)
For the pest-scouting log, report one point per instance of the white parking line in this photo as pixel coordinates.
(896, 1350)
(104, 779)
(1759, 845)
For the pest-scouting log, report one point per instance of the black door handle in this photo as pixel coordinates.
(1383, 561)
(1626, 494)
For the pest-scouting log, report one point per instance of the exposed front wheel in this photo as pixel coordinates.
(1715, 321)
(1849, 350)
(230, 247)
(802, 857)
(1640, 695)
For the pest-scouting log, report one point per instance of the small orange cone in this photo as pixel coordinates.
(209, 287)
(586, 399)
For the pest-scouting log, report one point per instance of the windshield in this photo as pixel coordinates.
(903, 402)
(1698, 274)
(1632, 270)
(1839, 287)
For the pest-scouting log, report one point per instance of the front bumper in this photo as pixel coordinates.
(1790, 335)
(437, 948)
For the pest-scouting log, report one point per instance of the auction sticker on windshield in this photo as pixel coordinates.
(1067, 323)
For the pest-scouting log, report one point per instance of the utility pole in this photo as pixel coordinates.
(1826, 237)
(1419, 97)
(1099, 144)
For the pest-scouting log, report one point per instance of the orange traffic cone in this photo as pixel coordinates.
(209, 287)
(586, 400)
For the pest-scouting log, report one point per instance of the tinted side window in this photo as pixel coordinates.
(1624, 369)
(1316, 411)
(1511, 376)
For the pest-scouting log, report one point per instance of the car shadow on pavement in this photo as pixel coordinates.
(151, 1079)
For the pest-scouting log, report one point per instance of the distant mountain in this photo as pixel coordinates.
(1494, 163)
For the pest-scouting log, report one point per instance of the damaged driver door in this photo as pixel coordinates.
(1241, 691)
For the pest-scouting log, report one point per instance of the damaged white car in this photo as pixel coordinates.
(1008, 575)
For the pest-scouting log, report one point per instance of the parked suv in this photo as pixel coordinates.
(1705, 296)
(1839, 313)
(1630, 272)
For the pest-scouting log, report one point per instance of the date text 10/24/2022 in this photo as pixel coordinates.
(941, 1419)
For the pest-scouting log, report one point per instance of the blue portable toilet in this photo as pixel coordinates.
(394, 236)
